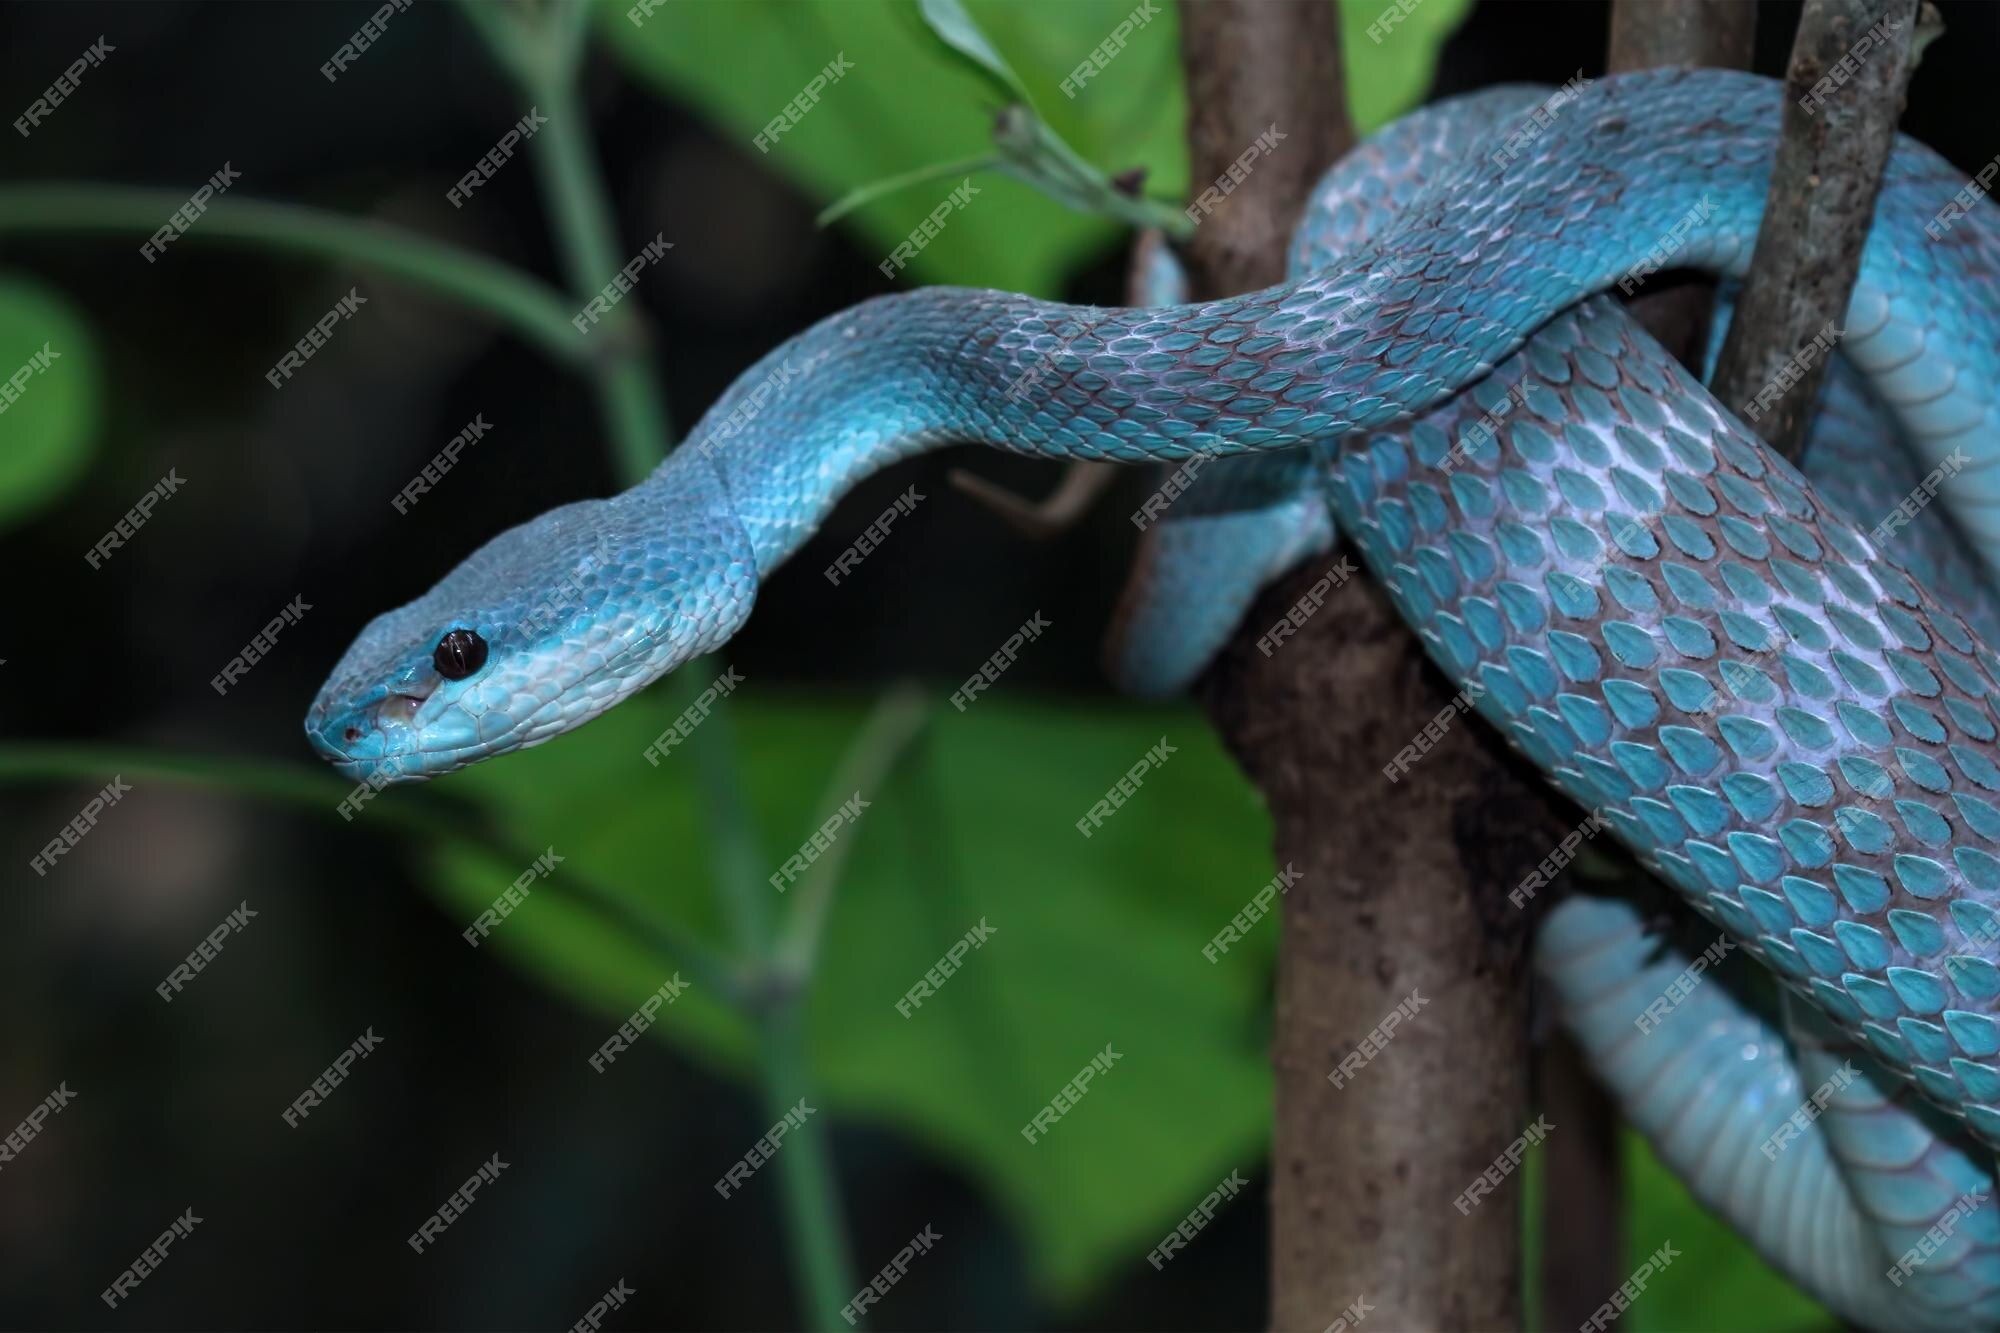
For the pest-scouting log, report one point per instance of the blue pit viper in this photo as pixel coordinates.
(1778, 698)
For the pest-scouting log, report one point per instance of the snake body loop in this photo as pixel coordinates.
(1679, 629)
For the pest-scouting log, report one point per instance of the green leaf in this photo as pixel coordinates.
(1094, 941)
(49, 399)
(903, 106)
(954, 26)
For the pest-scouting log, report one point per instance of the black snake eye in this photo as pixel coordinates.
(459, 654)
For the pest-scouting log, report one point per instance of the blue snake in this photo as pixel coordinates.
(1772, 688)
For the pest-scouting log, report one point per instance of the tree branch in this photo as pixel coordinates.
(1835, 143)
(1653, 34)
(1403, 886)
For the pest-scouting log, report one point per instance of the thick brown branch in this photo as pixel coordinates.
(1850, 66)
(1403, 886)
(1651, 34)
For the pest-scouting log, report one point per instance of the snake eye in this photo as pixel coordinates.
(459, 654)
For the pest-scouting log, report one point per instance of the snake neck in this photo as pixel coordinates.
(1631, 174)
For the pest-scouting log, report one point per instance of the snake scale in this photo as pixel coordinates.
(1784, 711)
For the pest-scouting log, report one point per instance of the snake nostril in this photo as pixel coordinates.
(353, 734)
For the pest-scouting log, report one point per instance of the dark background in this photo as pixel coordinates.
(175, 1104)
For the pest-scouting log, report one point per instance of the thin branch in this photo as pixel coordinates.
(885, 737)
(421, 815)
(529, 306)
(1835, 144)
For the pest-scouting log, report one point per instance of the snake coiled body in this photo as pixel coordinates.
(1677, 627)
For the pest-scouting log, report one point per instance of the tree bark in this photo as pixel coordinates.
(1834, 145)
(1655, 34)
(1402, 901)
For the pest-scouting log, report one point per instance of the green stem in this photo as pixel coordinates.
(884, 738)
(534, 310)
(806, 1185)
(635, 413)
(420, 814)
(587, 242)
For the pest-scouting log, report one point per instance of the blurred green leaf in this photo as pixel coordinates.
(50, 429)
(1094, 941)
(905, 104)
(956, 28)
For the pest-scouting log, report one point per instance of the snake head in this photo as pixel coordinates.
(539, 631)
